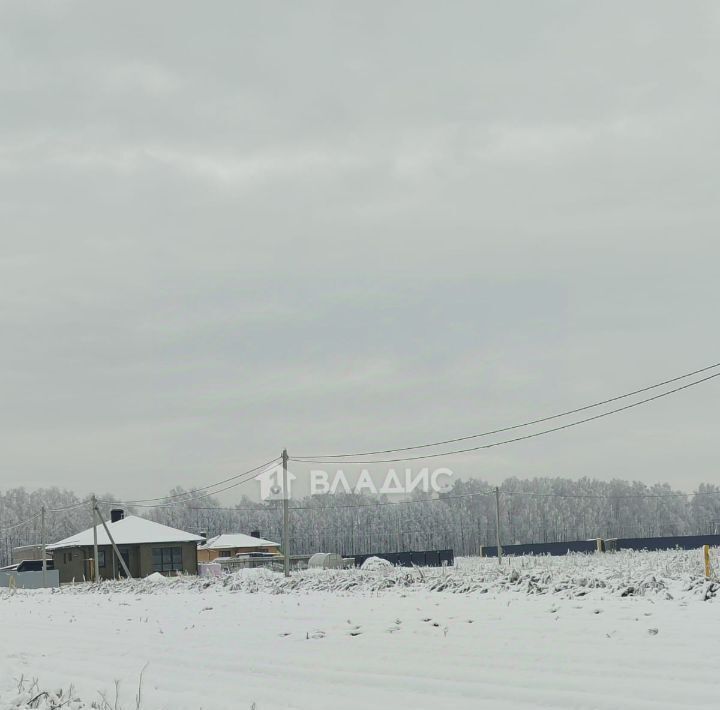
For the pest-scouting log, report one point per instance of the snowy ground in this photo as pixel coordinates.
(608, 631)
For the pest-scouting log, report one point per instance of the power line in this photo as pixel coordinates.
(239, 508)
(598, 496)
(139, 501)
(381, 504)
(506, 494)
(204, 495)
(47, 510)
(337, 507)
(510, 428)
(518, 438)
(384, 503)
(37, 515)
(241, 478)
(69, 507)
(138, 504)
(21, 523)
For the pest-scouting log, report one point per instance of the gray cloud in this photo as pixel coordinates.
(229, 230)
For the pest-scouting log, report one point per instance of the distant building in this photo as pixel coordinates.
(26, 552)
(145, 546)
(230, 545)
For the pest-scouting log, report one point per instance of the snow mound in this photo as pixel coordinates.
(156, 577)
(375, 564)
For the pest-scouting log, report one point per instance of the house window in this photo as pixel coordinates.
(101, 558)
(167, 559)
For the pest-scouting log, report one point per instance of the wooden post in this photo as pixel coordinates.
(706, 555)
(42, 546)
(286, 516)
(96, 556)
(114, 546)
(497, 524)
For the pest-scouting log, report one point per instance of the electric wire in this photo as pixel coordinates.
(515, 439)
(510, 428)
(21, 523)
(192, 497)
(241, 478)
(505, 494)
(72, 506)
(140, 501)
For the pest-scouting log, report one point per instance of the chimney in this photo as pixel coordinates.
(116, 514)
(204, 535)
(255, 533)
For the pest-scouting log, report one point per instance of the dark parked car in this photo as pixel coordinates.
(28, 566)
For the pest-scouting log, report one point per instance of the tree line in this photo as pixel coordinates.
(463, 518)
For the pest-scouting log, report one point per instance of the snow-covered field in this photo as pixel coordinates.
(629, 630)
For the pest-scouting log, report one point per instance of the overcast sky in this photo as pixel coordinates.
(231, 227)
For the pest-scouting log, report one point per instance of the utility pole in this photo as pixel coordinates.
(96, 556)
(497, 524)
(42, 546)
(114, 546)
(286, 515)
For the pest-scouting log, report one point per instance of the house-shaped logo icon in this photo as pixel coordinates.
(271, 484)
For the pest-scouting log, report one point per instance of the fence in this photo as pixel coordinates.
(274, 562)
(30, 580)
(682, 542)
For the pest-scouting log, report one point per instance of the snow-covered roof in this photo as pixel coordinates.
(128, 531)
(231, 540)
